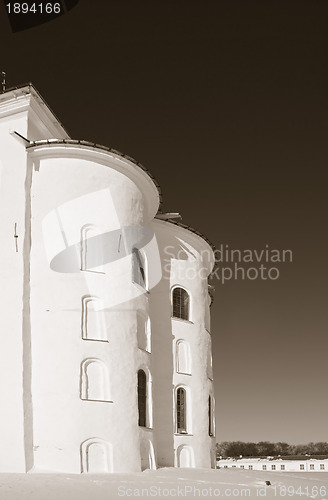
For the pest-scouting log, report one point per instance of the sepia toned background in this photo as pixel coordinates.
(226, 103)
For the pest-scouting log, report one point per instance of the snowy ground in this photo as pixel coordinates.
(165, 483)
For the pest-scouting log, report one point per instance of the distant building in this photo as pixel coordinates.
(106, 361)
(304, 464)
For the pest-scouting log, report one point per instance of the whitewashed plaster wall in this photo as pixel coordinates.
(186, 262)
(53, 420)
(70, 190)
(12, 211)
(18, 112)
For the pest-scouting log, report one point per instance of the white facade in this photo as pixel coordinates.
(275, 464)
(100, 373)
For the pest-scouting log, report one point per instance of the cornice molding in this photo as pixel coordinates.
(26, 99)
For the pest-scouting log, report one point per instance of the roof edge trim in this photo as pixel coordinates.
(87, 144)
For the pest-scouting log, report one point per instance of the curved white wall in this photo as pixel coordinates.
(85, 355)
(186, 261)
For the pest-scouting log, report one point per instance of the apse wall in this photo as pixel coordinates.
(88, 210)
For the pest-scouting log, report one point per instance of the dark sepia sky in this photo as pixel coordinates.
(226, 103)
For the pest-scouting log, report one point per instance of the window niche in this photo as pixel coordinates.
(185, 456)
(183, 357)
(96, 456)
(92, 254)
(94, 383)
(143, 331)
(92, 321)
(209, 361)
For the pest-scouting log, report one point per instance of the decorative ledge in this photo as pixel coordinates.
(96, 400)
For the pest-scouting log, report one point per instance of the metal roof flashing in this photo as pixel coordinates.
(99, 147)
(189, 228)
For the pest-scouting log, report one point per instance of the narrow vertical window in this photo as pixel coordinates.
(210, 416)
(142, 398)
(181, 411)
(138, 268)
(211, 419)
(180, 299)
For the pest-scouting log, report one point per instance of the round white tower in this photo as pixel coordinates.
(184, 422)
(89, 207)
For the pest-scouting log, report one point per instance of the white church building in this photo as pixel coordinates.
(106, 361)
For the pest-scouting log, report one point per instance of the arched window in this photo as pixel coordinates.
(180, 299)
(138, 268)
(181, 411)
(142, 398)
(183, 358)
